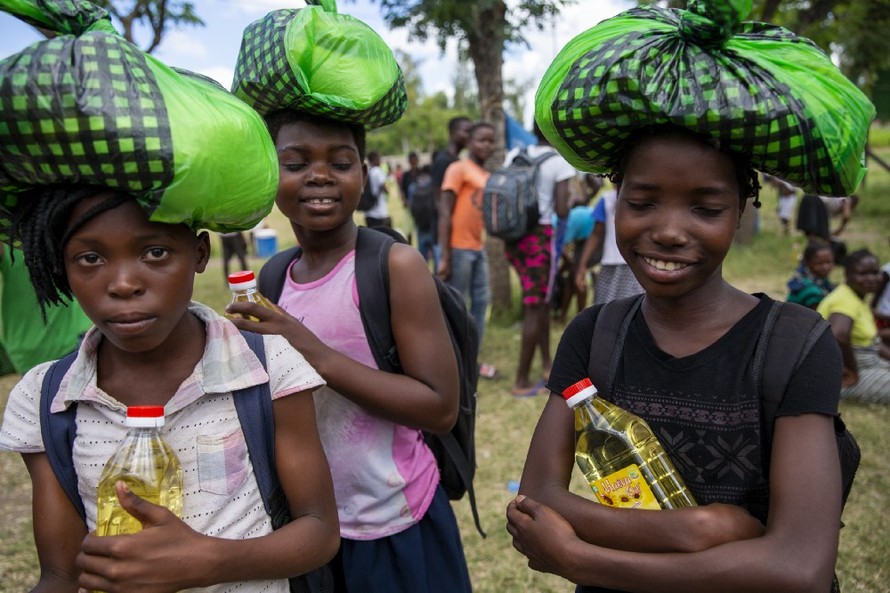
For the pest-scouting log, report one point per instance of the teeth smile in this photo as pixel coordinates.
(667, 266)
(321, 201)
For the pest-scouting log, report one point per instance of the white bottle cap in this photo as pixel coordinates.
(145, 417)
(577, 392)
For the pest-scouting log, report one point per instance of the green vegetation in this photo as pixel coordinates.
(505, 424)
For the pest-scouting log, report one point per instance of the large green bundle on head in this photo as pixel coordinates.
(87, 108)
(759, 89)
(315, 60)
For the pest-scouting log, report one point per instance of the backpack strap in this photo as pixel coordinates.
(58, 431)
(612, 323)
(372, 282)
(271, 278)
(778, 354)
(254, 407)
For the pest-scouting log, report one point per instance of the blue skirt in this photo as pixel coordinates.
(425, 558)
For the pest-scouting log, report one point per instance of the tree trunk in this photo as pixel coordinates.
(486, 48)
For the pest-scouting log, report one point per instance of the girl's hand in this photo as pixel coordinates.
(541, 534)
(164, 557)
(276, 321)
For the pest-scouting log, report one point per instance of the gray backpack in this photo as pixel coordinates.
(510, 197)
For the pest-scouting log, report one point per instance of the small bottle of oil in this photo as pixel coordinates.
(147, 465)
(619, 455)
(244, 290)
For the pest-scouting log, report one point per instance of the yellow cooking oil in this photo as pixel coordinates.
(620, 457)
(243, 286)
(147, 465)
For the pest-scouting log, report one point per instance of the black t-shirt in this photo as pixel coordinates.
(704, 408)
(441, 160)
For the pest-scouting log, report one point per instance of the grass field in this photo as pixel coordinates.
(505, 426)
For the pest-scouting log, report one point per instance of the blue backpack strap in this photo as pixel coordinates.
(254, 407)
(58, 431)
(271, 278)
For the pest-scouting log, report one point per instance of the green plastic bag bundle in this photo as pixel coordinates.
(315, 60)
(757, 88)
(89, 108)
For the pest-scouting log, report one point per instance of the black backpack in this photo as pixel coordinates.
(778, 354)
(254, 408)
(368, 198)
(423, 203)
(455, 451)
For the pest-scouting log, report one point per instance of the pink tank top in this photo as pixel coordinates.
(384, 474)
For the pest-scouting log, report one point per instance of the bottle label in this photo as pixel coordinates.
(625, 489)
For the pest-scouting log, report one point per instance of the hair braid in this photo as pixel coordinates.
(41, 225)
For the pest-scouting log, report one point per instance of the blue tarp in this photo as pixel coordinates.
(517, 136)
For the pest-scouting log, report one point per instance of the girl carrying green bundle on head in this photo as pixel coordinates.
(122, 239)
(398, 531)
(680, 108)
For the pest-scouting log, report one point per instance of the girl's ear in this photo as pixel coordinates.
(202, 251)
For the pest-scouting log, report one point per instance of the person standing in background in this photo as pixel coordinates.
(463, 262)
(533, 257)
(378, 216)
(233, 245)
(458, 137)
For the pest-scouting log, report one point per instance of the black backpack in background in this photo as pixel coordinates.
(423, 203)
(455, 451)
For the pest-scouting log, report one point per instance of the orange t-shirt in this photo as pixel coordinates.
(466, 179)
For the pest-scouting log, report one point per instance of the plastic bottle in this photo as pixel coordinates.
(619, 455)
(147, 465)
(244, 290)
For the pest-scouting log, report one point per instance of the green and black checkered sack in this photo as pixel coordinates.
(757, 88)
(315, 60)
(89, 108)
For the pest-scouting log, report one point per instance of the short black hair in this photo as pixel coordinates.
(478, 126)
(746, 176)
(814, 246)
(40, 225)
(857, 256)
(283, 117)
(455, 122)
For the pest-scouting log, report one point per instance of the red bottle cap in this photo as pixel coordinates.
(576, 392)
(240, 277)
(145, 411)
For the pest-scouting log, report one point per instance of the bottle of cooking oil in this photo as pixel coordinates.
(147, 465)
(619, 455)
(244, 290)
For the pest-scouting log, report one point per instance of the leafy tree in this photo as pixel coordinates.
(485, 27)
(157, 15)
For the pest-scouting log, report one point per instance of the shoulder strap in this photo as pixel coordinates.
(271, 279)
(58, 431)
(372, 282)
(610, 328)
(778, 354)
(254, 407)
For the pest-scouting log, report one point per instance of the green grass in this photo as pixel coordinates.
(505, 424)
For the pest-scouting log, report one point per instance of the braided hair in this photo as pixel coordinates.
(41, 223)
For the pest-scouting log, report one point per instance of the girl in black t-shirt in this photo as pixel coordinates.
(680, 201)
